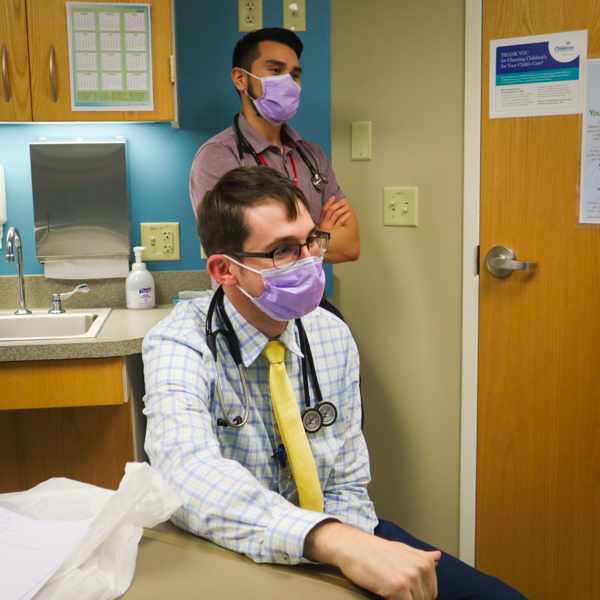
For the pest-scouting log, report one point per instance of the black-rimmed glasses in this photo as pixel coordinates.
(286, 256)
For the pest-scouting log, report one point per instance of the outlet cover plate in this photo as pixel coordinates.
(361, 141)
(161, 241)
(250, 15)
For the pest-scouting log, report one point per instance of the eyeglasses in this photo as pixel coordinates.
(286, 256)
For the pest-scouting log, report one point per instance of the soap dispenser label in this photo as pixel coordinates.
(142, 298)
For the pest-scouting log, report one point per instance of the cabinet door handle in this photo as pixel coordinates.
(52, 82)
(5, 73)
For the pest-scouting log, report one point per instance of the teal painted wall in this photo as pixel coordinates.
(159, 157)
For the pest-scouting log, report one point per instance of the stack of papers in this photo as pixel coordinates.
(31, 552)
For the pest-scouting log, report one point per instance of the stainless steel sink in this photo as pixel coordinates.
(39, 325)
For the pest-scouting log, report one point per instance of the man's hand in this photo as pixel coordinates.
(390, 569)
(334, 214)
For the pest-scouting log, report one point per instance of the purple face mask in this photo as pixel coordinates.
(280, 98)
(290, 293)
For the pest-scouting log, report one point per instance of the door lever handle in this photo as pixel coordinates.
(500, 262)
(512, 265)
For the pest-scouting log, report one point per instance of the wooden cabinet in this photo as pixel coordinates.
(15, 93)
(31, 28)
(80, 419)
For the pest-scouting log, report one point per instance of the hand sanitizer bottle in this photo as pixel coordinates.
(139, 285)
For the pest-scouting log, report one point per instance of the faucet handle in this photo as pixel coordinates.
(84, 288)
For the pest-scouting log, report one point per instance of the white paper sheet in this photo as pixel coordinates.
(538, 75)
(589, 200)
(31, 551)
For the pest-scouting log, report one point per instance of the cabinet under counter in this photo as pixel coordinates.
(79, 418)
(62, 383)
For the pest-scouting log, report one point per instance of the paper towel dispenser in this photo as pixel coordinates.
(80, 199)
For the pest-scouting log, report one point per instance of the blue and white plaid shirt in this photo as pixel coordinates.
(233, 491)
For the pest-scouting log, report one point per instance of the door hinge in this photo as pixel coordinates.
(173, 70)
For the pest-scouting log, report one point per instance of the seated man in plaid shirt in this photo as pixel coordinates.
(235, 480)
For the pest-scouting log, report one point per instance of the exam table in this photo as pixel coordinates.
(172, 563)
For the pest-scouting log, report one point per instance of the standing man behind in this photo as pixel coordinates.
(267, 75)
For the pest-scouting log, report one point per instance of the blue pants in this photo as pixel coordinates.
(456, 580)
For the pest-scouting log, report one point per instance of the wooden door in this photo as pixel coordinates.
(47, 24)
(15, 95)
(538, 474)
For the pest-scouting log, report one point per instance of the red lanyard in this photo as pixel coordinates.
(294, 167)
(264, 162)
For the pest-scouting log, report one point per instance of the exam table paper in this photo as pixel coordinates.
(31, 551)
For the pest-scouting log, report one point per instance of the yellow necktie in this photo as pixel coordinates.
(292, 431)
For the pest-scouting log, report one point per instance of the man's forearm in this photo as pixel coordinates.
(339, 220)
(389, 569)
(344, 244)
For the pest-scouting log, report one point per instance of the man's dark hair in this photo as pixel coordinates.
(222, 224)
(246, 50)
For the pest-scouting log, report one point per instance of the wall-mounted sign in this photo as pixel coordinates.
(537, 75)
(110, 56)
(589, 189)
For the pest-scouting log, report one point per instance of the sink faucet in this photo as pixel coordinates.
(13, 239)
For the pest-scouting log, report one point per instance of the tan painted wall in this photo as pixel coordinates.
(400, 64)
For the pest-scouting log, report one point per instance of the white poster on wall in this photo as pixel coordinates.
(537, 75)
(589, 195)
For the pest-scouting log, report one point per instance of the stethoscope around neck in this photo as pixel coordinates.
(323, 414)
(317, 179)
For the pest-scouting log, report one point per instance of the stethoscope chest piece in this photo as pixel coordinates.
(312, 420)
(328, 413)
(319, 180)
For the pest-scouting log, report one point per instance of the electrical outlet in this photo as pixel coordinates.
(161, 241)
(294, 15)
(401, 206)
(249, 15)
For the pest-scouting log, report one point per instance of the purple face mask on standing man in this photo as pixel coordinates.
(280, 98)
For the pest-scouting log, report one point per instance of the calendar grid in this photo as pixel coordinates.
(110, 56)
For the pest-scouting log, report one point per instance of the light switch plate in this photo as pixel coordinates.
(161, 241)
(294, 15)
(361, 140)
(250, 15)
(401, 206)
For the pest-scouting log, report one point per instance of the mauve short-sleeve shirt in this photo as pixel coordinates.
(220, 154)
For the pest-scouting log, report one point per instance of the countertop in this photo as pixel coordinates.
(175, 564)
(121, 335)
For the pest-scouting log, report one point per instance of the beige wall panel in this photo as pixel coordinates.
(400, 64)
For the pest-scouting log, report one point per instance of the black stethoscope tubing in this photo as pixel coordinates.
(317, 179)
(324, 413)
(234, 349)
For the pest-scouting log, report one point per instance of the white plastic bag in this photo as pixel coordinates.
(102, 565)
